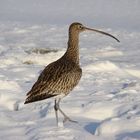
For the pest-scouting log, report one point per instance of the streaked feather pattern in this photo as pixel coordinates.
(58, 77)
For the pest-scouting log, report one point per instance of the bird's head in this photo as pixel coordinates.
(77, 28)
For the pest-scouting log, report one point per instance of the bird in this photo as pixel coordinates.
(60, 77)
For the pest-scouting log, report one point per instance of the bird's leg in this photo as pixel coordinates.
(56, 106)
(66, 118)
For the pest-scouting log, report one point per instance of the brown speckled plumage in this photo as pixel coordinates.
(61, 76)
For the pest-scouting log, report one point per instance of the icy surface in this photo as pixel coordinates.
(106, 102)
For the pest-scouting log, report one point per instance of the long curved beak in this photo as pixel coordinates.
(102, 33)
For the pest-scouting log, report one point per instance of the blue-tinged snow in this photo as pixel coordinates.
(106, 102)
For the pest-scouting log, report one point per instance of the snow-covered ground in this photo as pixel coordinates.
(106, 102)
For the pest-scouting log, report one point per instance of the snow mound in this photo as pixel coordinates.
(133, 72)
(116, 126)
(102, 66)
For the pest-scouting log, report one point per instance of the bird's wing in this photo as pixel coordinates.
(53, 80)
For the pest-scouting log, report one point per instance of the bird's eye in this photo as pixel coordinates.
(80, 27)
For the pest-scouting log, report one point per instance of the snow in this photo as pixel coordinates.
(106, 102)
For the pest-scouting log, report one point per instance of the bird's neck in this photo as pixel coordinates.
(72, 52)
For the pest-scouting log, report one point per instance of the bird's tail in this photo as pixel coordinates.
(35, 98)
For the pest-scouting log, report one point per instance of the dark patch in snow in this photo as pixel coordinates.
(28, 62)
(41, 51)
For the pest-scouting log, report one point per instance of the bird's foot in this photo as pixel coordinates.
(68, 119)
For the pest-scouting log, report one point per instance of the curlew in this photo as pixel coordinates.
(61, 76)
